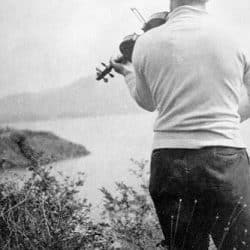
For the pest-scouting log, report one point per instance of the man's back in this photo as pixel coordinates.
(194, 72)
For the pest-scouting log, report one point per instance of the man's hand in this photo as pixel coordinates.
(122, 68)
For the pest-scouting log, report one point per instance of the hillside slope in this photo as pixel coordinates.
(85, 97)
(23, 148)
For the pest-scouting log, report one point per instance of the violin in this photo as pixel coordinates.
(127, 45)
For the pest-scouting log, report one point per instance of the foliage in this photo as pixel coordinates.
(46, 214)
(130, 213)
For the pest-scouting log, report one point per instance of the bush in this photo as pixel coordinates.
(130, 213)
(45, 214)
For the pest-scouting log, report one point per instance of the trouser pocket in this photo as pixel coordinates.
(155, 167)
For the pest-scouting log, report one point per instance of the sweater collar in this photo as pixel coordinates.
(186, 10)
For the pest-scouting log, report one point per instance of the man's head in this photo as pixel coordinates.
(177, 3)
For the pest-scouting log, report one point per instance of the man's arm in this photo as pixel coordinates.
(136, 81)
(137, 85)
(244, 109)
(139, 90)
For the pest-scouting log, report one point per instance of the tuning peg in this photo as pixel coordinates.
(105, 80)
(111, 75)
(104, 64)
(98, 70)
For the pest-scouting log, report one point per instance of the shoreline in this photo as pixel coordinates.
(26, 148)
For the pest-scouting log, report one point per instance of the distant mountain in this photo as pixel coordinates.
(85, 97)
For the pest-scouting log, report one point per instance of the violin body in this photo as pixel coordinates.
(155, 21)
(127, 45)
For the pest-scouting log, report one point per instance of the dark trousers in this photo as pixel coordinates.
(200, 193)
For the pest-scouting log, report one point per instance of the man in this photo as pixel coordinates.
(192, 72)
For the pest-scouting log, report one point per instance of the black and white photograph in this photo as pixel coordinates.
(124, 125)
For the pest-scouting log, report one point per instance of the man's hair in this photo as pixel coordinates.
(183, 2)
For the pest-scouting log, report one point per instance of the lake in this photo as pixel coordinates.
(112, 141)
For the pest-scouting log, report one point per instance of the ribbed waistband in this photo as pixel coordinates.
(195, 140)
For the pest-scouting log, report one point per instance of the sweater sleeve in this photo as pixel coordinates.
(245, 106)
(137, 84)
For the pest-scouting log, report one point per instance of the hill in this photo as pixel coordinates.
(85, 97)
(23, 148)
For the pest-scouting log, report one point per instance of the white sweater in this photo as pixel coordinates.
(192, 72)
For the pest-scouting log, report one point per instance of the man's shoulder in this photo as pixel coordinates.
(148, 39)
(151, 35)
(144, 44)
(218, 29)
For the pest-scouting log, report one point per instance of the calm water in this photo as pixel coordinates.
(112, 140)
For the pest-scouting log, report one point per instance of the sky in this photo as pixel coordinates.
(46, 44)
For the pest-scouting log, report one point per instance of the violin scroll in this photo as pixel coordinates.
(126, 49)
(101, 74)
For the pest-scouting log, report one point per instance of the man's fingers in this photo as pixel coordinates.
(118, 67)
(112, 62)
(115, 61)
